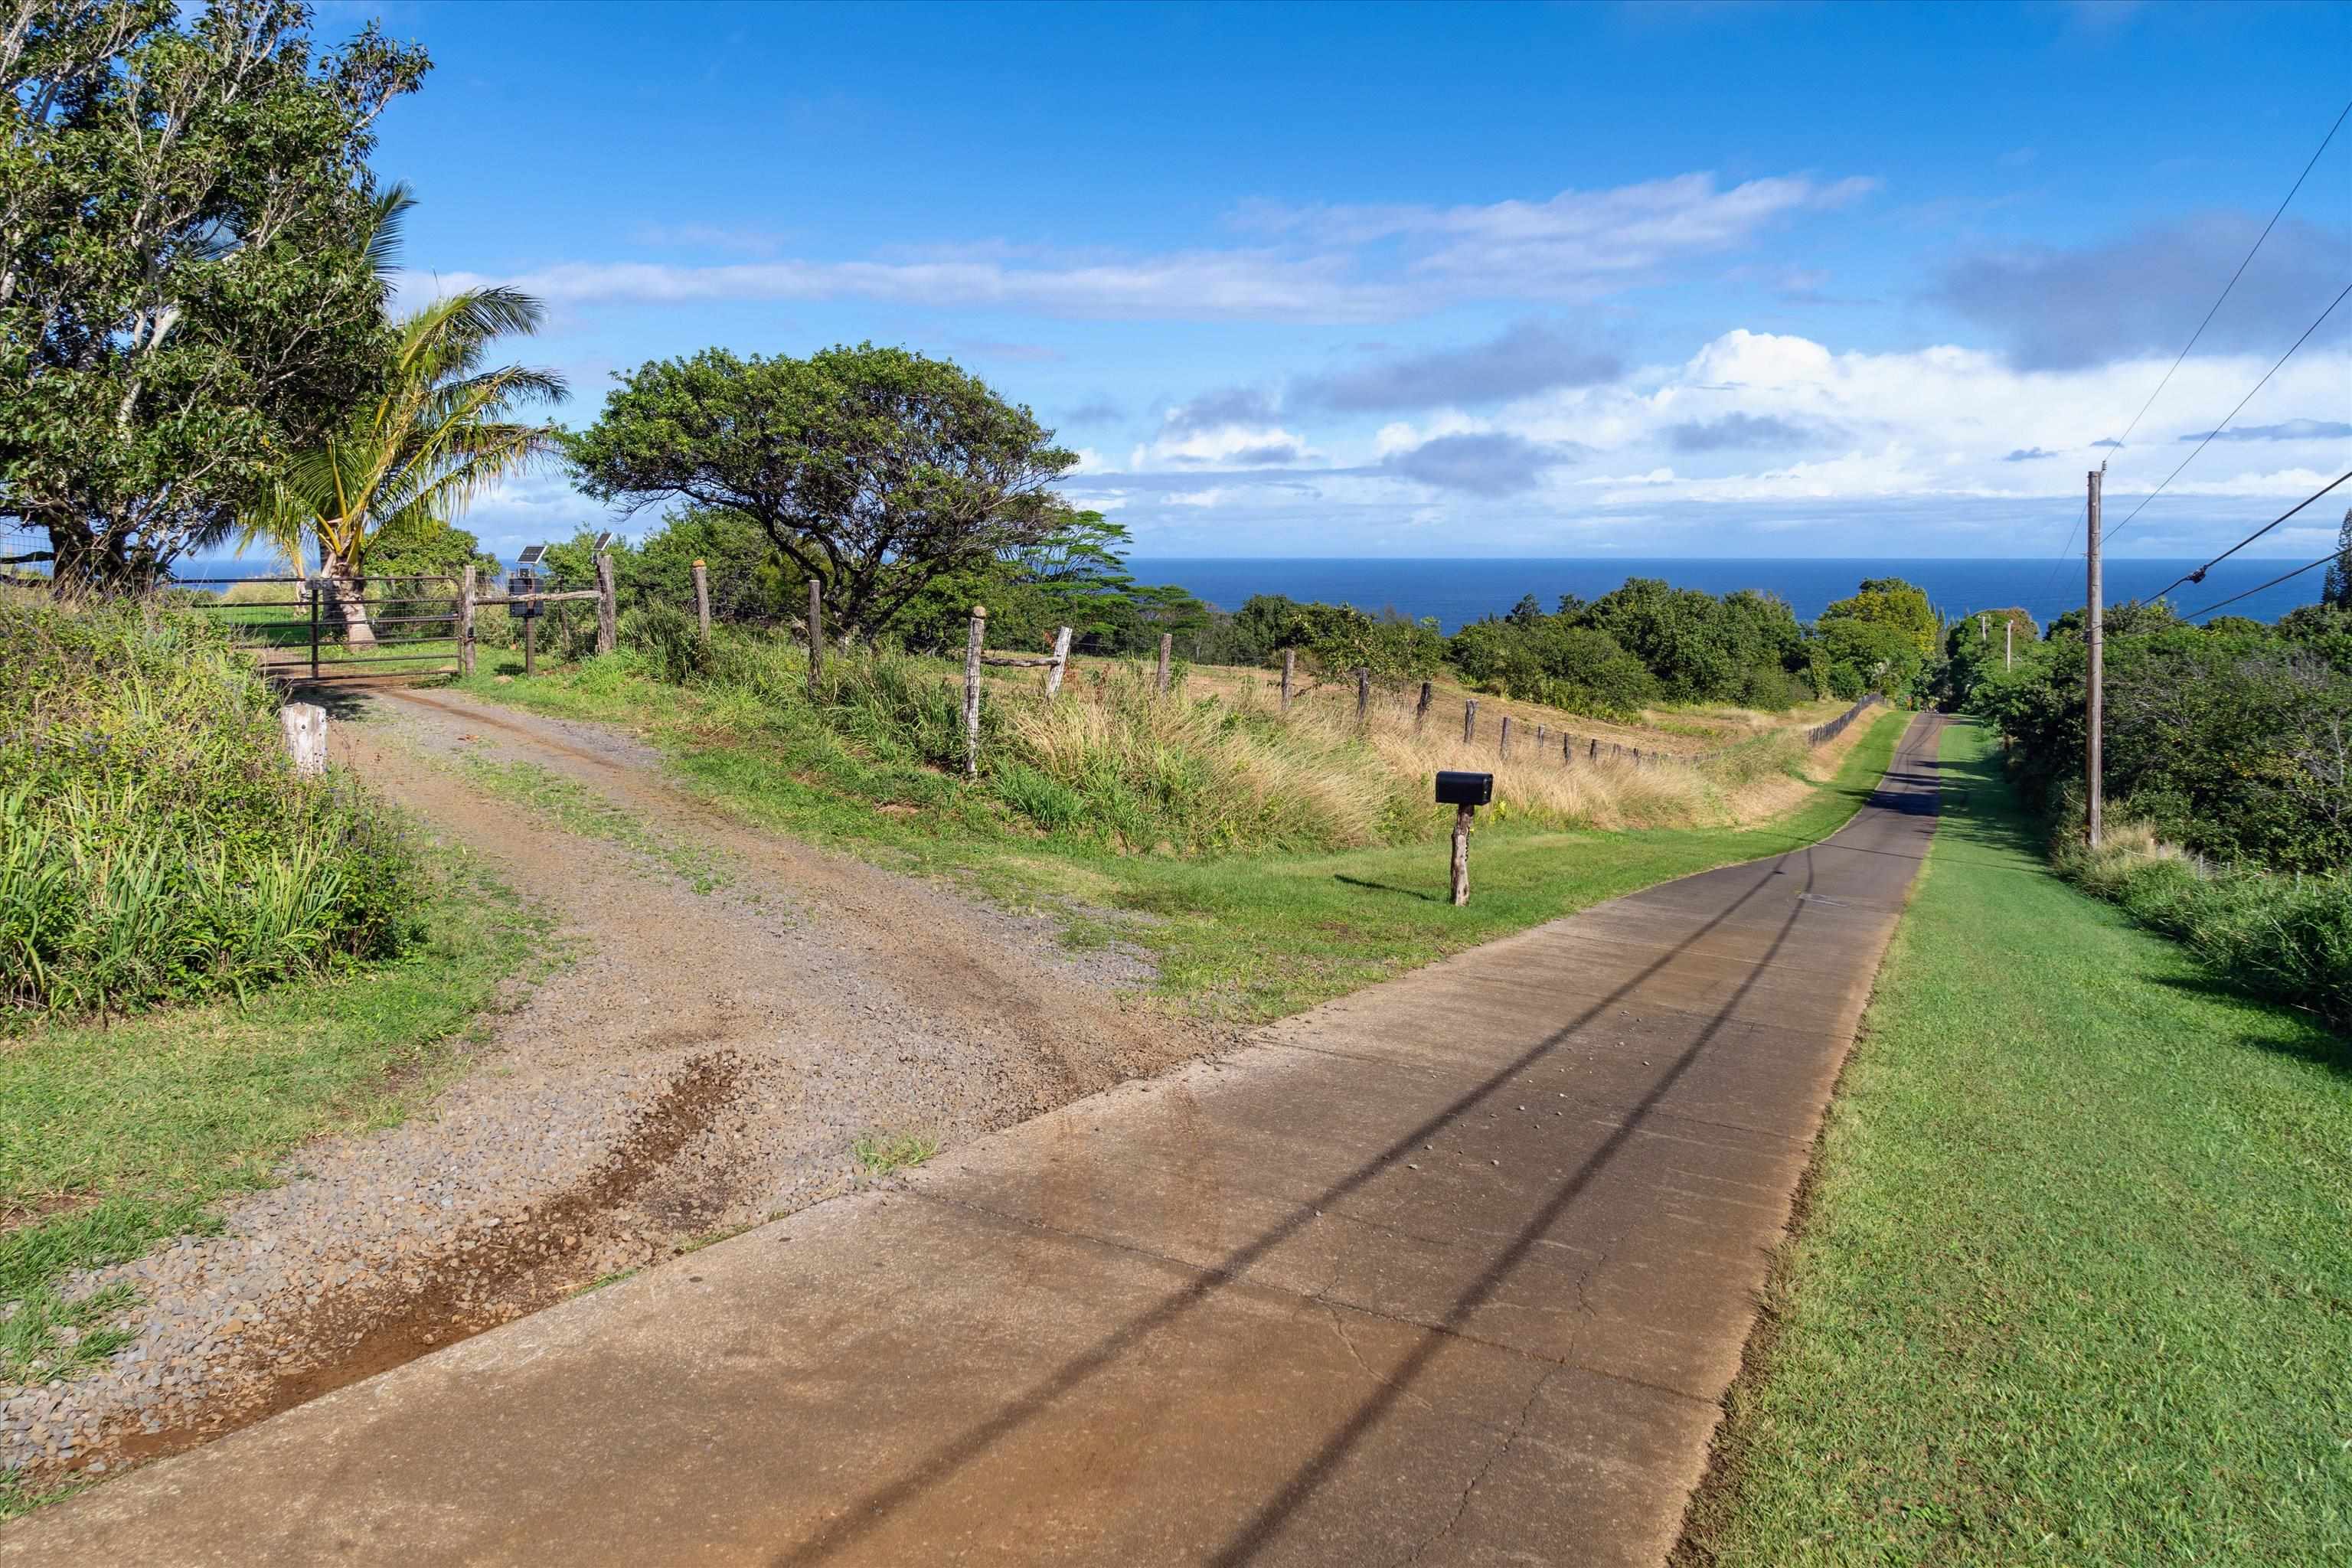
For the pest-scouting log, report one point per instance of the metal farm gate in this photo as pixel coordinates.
(308, 633)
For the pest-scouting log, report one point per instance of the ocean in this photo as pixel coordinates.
(1458, 591)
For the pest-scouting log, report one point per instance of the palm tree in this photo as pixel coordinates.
(437, 435)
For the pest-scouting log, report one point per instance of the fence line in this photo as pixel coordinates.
(1596, 750)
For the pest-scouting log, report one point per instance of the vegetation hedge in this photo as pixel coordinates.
(2285, 937)
(155, 844)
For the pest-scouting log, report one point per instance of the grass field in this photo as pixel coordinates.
(1242, 937)
(115, 1138)
(2074, 1283)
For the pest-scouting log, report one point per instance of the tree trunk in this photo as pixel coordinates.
(346, 606)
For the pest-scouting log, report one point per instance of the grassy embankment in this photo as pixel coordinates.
(1266, 863)
(2075, 1284)
(203, 959)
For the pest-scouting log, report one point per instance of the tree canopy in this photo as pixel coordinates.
(874, 470)
(187, 291)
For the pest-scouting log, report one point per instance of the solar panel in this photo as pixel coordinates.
(532, 555)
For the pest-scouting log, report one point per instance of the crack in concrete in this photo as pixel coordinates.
(1510, 1438)
(1340, 1326)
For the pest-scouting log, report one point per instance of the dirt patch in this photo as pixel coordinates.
(491, 1274)
(707, 1061)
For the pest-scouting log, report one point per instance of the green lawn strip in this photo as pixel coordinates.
(577, 809)
(1242, 937)
(2074, 1285)
(113, 1138)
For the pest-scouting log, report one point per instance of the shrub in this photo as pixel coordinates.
(154, 842)
(669, 638)
(2282, 936)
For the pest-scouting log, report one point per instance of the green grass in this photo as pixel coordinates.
(112, 1139)
(2074, 1285)
(1243, 937)
(155, 843)
(18, 1497)
(878, 1153)
(578, 810)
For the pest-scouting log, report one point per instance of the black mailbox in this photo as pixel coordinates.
(1465, 789)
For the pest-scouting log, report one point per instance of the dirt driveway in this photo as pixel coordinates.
(739, 1011)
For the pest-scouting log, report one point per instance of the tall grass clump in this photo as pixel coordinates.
(2281, 935)
(1114, 763)
(155, 844)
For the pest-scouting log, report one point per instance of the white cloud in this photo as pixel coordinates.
(1941, 420)
(1577, 245)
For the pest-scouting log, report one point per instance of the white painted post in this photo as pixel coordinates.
(1061, 664)
(305, 727)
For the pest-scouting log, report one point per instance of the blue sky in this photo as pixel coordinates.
(1509, 280)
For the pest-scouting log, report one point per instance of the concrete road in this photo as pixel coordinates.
(1453, 1271)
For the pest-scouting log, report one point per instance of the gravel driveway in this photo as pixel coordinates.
(704, 1064)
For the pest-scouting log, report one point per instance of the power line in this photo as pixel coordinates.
(2059, 565)
(2232, 283)
(2272, 584)
(2232, 414)
(2198, 576)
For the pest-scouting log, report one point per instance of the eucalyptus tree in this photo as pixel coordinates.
(185, 288)
(874, 470)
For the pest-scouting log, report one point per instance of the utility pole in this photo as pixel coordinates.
(1983, 636)
(2094, 692)
(2009, 642)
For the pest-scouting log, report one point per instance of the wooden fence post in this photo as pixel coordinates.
(1061, 664)
(1506, 750)
(1461, 854)
(1420, 709)
(1159, 679)
(1543, 733)
(608, 610)
(817, 635)
(971, 691)
(1469, 719)
(305, 727)
(702, 599)
(1594, 755)
(1289, 674)
(1567, 750)
(466, 621)
(1364, 694)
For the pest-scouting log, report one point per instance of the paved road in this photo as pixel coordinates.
(1453, 1271)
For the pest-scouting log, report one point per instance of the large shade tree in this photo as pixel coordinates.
(405, 465)
(875, 470)
(185, 288)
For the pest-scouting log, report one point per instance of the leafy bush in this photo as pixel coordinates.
(1644, 643)
(669, 638)
(2286, 937)
(2233, 742)
(154, 842)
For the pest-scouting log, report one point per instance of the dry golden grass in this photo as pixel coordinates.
(1276, 774)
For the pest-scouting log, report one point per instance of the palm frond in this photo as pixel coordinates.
(387, 221)
(437, 436)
